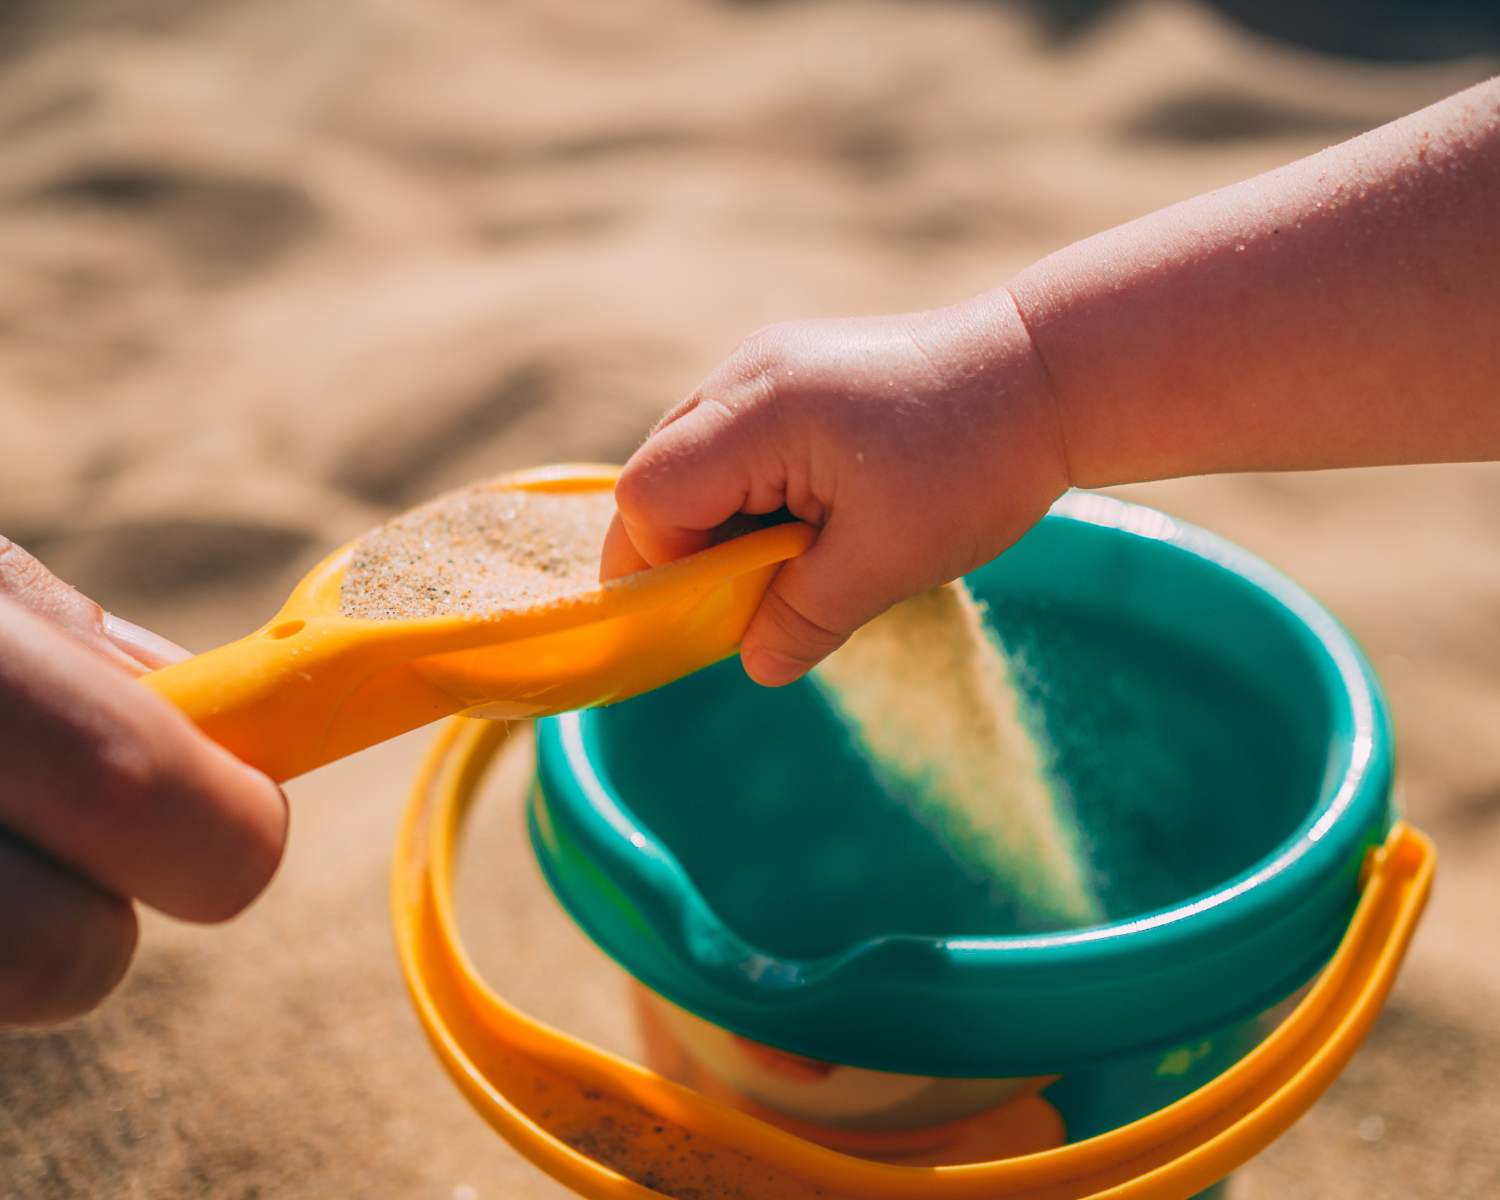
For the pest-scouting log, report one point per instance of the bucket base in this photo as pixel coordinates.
(1026, 1123)
(1022, 1123)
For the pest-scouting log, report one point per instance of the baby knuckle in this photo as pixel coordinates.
(679, 410)
(804, 636)
(765, 350)
(752, 408)
(763, 342)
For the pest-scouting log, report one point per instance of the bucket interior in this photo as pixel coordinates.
(1186, 715)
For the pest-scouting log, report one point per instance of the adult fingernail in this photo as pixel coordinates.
(147, 648)
(770, 669)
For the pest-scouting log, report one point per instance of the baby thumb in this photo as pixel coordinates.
(812, 606)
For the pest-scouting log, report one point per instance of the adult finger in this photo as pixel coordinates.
(64, 943)
(149, 649)
(110, 780)
(25, 580)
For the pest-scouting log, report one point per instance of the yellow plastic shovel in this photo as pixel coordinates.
(312, 685)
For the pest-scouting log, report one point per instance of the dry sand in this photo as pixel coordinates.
(927, 691)
(273, 269)
(480, 549)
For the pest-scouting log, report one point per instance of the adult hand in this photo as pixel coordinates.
(107, 796)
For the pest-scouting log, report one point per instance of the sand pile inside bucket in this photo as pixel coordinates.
(926, 689)
(485, 548)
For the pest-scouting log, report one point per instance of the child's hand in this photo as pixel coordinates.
(920, 445)
(1340, 311)
(107, 795)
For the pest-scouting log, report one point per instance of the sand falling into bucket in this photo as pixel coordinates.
(926, 690)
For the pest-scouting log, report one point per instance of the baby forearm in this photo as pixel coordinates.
(1343, 310)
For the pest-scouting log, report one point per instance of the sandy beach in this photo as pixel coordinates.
(270, 271)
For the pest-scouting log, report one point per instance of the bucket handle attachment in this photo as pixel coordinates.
(613, 1130)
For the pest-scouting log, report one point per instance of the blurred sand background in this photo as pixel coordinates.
(270, 269)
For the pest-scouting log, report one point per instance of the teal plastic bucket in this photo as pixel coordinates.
(1223, 745)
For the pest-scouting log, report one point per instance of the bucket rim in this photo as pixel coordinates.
(586, 835)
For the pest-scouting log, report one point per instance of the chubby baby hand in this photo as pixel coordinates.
(919, 445)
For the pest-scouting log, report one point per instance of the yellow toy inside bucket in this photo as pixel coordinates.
(606, 1127)
(312, 685)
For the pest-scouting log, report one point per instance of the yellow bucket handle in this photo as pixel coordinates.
(606, 1127)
